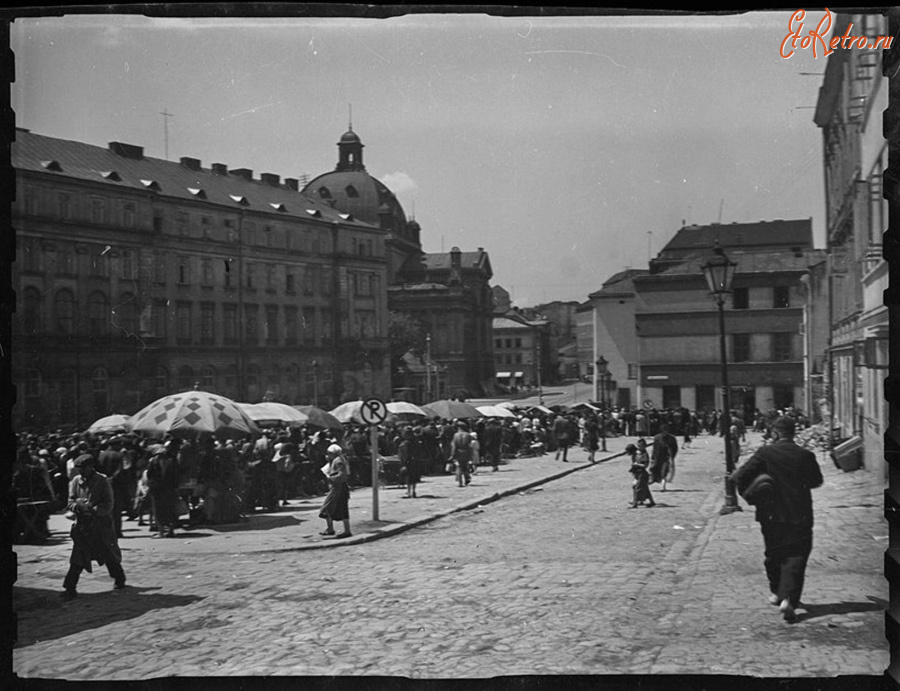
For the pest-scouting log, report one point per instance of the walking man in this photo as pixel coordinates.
(93, 533)
(665, 448)
(787, 519)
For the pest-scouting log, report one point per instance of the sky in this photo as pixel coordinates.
(569, 148)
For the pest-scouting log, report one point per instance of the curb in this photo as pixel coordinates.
(396, 528)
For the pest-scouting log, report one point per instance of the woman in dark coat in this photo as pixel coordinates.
(336, 506)
(591, 436)
(641, 484)
(411, 452)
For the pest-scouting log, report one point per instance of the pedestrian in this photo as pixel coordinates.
(336, 506)
(665, 448)
(410, 454)
(461, 453)
(162, 483)
(493, 438)
(93, 532)
(563, 431)
(641, 484)
(591, 437)
(786, 519)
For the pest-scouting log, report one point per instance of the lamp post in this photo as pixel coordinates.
(540, 385)
(719, 273)
(428, 368)
(602, 378)
(315, 369)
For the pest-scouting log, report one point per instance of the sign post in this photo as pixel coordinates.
(373, 412)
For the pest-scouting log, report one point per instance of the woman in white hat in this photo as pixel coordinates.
(336, 505)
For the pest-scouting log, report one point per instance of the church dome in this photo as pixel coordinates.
(350, 189)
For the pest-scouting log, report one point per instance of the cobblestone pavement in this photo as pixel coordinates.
(554, 578)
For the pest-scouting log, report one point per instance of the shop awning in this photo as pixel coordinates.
(519, 374)
(502, 375)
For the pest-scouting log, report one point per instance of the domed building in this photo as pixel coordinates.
(448, 293)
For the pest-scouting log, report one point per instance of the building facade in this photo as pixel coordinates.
(615, 339)
(521, 352)
(136, 277)
(852, 100)
(677, 323)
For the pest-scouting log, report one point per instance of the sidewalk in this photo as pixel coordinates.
(297, 526)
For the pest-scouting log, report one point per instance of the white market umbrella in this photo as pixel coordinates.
(111, 423)
(192, 413)
(495, 411)
(270, 412)
(349, 412)
(406, 408)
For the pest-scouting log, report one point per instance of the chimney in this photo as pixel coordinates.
(293, 183)
(219, 169)
(270, 179)
(191, 163)
(455, 266)
(127, 150)
(244, 173)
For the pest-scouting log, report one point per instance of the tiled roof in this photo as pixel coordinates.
(619, 283)
(80, 161)
(440, 262)
(747, 263)
(794, 233)
(506, 323)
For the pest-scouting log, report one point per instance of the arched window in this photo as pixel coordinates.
(31, 312)
(64, 312)
(252, 391)
(368, 378)
(131, 383)
(98, 314)
(231, 381)
(291, 378)
(324, 193)
(124, 316)
(273, 382)
(351, 191)
(186, 378)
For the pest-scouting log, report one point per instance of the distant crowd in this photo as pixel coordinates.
(212, 481)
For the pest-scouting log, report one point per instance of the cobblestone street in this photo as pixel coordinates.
(555, 577)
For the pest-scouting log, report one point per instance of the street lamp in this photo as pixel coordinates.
(428, 367)
(602, 378)
(540, 385)
(719, 273)
(315, 369)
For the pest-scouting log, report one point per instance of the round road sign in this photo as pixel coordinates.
(373, 411)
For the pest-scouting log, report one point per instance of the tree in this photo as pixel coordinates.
(405, 333)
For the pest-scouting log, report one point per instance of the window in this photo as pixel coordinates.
(327, 329)
(186, 379)
(205, 222)
(252, 332)
(498, 343)
(231, 378)
(124, 316)
(128, 215)
(270, 236)
(632, 371)
(65, 263)
(509, 343)
(183, 321)
(740, 298)
(351, 191)
(517, 343)
(68, 386)
(250, 233)
(781, 297)
(228, 282)
(98, 314)
(309, 325)
(206, 269)
(270, 278)
(308, 280)
(184, 271)
(781, 346)
(705, 397)
(65, 206)
(250, 271)
(100, 390)
(324, 193)
(229, 323)
(98, 210)
(161, 381)
(741, 347)
(289, 283)
(30, 256)
(181, 223)
(208, 378)
(271, 325)
(31, 312)
(159, 268)
(158, 221)
(158, 318)
(100, 266)
(29, 200)
(129, 265)
(290, 325)
(207, 323)
(671, 396)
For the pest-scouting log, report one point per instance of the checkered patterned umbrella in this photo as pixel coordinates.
(192, 413)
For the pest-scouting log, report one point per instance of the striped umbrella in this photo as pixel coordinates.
(192, 413)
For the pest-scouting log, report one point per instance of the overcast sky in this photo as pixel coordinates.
(557, 144)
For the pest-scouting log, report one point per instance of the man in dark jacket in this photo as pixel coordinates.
(162, 479)
(93, 533)
(787, 520)
(662, 457)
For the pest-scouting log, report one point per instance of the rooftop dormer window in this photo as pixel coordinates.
(351, 191)
(151, 185)
(197, 192)
(278, 207)
(111, 175)
(238, 199)
(51, 165)
(325, 193)
(314, 212)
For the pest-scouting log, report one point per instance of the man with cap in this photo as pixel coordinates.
(93, 533)
(336, 506)
(787, 520)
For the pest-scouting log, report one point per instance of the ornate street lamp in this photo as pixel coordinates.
(719, 273)
(603, 378)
